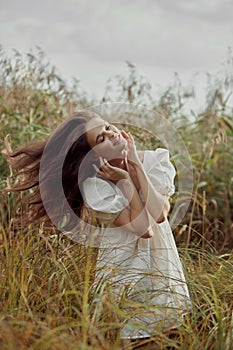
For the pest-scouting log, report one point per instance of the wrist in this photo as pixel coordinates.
(135, 160)
(126, 177)
(138, 166)
(126, 183)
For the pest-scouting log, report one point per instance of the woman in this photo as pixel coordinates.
(97, 167)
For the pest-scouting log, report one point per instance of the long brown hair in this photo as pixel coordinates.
(37, 166)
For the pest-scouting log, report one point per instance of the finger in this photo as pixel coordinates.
(125, 153)
(100, 172)
(127, 165)
(124, 134)
(101, 162)
(97, 169)
(131, 136)
(105, 165)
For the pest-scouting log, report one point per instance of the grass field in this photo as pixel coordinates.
(46, 298)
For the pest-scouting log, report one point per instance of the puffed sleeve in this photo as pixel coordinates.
(161, 171)
(103, 197)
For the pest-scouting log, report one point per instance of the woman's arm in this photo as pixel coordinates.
(135, 219)
(157, 205)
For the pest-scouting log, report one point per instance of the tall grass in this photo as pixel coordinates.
(47, 297)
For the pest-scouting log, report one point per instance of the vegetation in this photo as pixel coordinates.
(46, 298)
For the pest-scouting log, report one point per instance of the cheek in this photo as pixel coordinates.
(105, 151)
(115, 129)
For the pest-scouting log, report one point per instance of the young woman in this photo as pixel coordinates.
(96, 166)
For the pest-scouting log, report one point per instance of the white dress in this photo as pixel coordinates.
(148, 270)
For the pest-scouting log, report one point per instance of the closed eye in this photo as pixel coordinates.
(100, 138)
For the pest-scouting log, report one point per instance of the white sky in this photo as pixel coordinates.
(91, 40)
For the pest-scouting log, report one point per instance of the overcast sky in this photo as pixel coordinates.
(91, 40)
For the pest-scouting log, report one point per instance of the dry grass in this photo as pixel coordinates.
(47, 299)
(46, 294)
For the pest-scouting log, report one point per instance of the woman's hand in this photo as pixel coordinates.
(109, 172)
(132, 155)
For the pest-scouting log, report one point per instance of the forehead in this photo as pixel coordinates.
(93, 128)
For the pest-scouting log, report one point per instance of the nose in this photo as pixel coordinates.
(111, 134)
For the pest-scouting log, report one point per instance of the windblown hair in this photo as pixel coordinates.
(51, 170)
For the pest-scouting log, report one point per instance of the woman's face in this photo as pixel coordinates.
(105, 139)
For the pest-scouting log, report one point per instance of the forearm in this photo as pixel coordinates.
(157, 205)
(134, 218)
(139, 220)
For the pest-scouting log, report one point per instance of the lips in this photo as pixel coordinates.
(117, 140)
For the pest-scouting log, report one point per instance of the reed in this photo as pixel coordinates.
(47, 297)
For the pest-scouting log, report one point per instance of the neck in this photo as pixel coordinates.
(119, 163)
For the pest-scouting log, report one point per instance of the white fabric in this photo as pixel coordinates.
(150, 268)
(102, 195)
